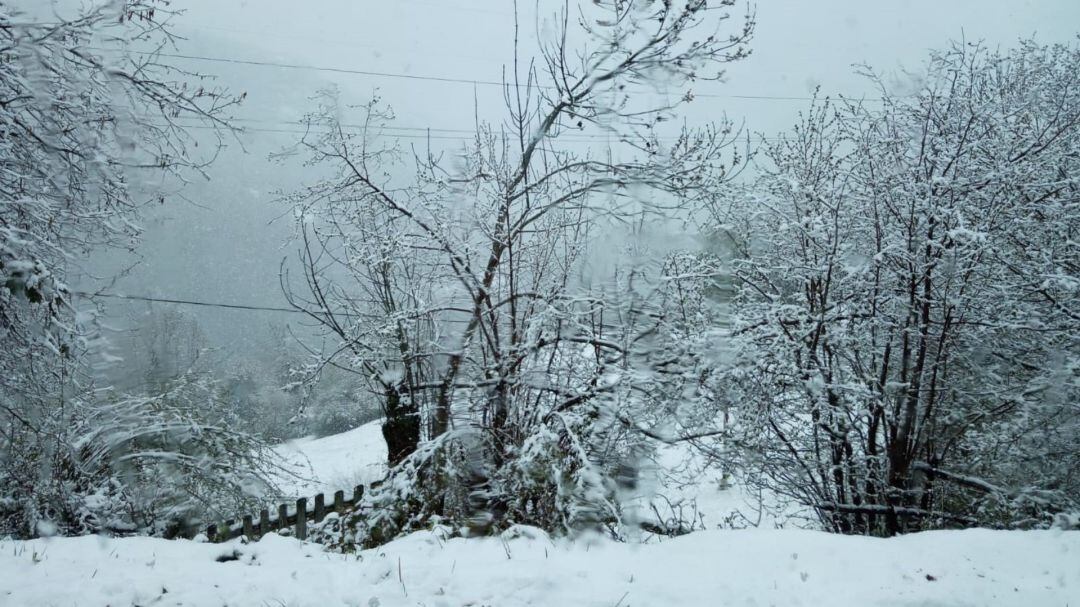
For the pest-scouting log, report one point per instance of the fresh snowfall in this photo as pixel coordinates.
(477, 303)
(525, 566)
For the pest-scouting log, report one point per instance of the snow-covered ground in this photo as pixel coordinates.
(327, 464)
(750, 567)
(524, 567)
(681, 484)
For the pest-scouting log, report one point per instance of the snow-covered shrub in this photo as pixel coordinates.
(905, 338)
(161, 464)
(558, 481)
(177, 457)
(79, 127)
(555, 481)
(418, 493)
(334, 408)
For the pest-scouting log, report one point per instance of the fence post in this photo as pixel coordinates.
(357, 495)
(249, 533)
(339, 501)
(283, 516)
(264, 522)
(228, 534)
(211, 532)
(320, 508)
(301, 518)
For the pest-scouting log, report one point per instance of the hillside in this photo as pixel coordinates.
(525, 567)
(339, 461)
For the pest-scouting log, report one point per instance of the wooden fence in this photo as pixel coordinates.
(296, 516)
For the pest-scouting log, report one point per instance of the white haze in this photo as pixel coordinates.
(224, 244)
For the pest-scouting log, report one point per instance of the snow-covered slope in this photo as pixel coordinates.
(525, 567)
(680, 485)
(340, 461)
(784, 568)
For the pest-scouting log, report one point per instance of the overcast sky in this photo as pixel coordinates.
(225, 249)
(799, 44)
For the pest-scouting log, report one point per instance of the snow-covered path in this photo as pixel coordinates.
(783, 568)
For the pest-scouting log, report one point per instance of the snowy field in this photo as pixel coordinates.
(782, 568)
(707, 568)
(327, 464)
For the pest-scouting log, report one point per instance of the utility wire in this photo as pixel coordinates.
(379, 74)
(421, 131)
(189, 302)
(301, 66)
(211, 304)
(410, 134)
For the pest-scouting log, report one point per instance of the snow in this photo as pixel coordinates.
(687, 485)
(327, 464)
(747, 567)
(525, 567)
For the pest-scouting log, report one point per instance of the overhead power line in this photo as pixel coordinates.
(421, 132)
(228, 306)
(380, 74)
(189, 302)
(301, 66)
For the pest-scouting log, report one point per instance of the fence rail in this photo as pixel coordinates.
(296, 516)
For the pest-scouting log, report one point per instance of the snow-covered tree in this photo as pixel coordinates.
(92, 127)
(905, 321)
(460, 295)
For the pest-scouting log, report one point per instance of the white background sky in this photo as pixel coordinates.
(799, 44)
(225, 250)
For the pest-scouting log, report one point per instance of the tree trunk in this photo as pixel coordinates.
(401, 430)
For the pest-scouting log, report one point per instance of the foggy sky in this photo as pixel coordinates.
(226, 247)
